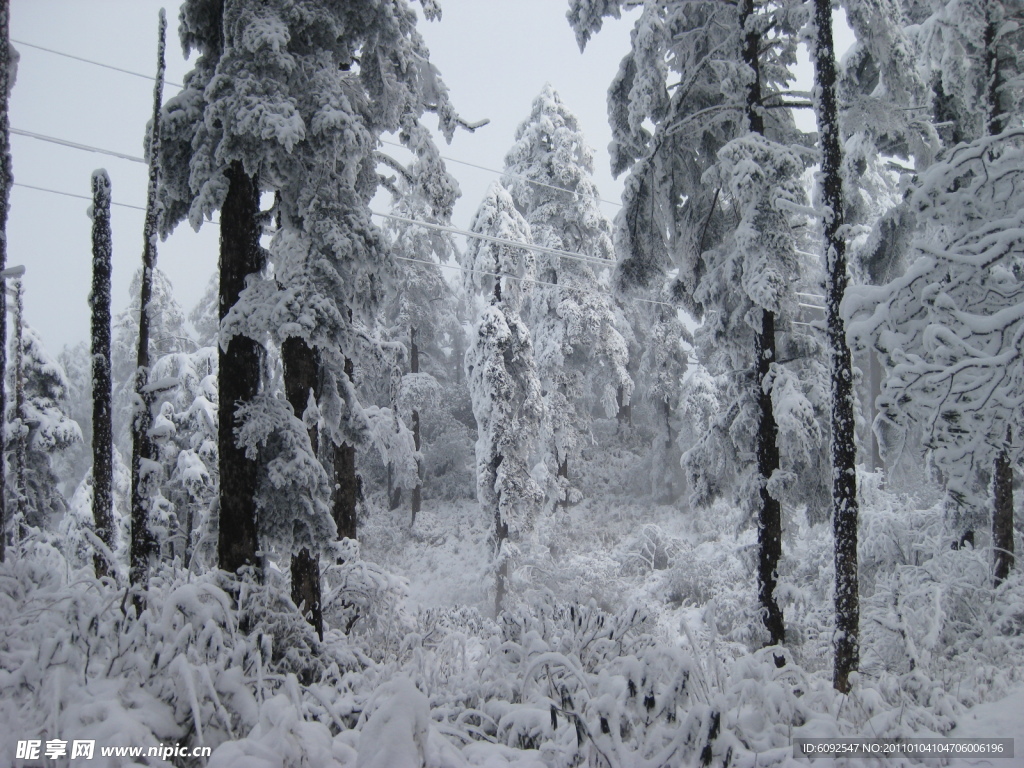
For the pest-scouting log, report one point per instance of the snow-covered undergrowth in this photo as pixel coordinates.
(633, 640)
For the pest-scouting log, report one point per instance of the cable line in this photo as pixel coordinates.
(383, 141)
(76, 145)
(90, 61)
(86, 197)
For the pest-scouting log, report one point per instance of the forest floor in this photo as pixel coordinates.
(631, 639)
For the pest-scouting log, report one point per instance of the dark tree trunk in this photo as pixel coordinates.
(102, 434)
(625, 414)
(1002, 516)
(6, 179)
(845, 510)
(302, 377)
(770, 516)
(417, 492)
(563, 471)
(21, 417)
(347, 485)
(143, 545)
(239, 378)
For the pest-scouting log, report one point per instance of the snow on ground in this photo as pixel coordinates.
(1003, 719)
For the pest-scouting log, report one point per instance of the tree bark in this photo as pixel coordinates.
(769, 535)
(6, 179)
(239, 378)
(347, 485)
(846, 642)
(102, 433)
(301, 378)
(417, 492)
(1002, 516)
(143, 544)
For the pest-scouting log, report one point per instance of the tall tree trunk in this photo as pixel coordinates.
(347, 485)
(769, 535)
(846, 643)
(102, 434)
(302, 378)
(6, 179)
(239, 375)
(1002, 516)
(417, 492)
(144, 469)
(20, 416)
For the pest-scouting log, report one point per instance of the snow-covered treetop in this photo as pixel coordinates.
(498, 268)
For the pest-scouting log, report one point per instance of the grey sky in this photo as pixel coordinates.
(495, 57)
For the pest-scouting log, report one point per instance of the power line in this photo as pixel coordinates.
(383, 141)
(490, 238)
(76, 145)
(86, 197)
(526, 280)
(505, 173)
(90, 61)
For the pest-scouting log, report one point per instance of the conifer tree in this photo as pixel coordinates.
(292, 99)
(576, 345)
(947, 327)
(102, 431)
(44, 427)
(502, 375)
(714, 193)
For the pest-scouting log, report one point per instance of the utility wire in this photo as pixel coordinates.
(383, 141)
(76, 145)
(526, 280)
(86, 197)
(491, 239)
(90, 61)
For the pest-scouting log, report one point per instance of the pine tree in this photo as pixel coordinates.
(947, 327)
(419, 307)
(102, 431)
(45, 429)
(714, 193)
(502, 375)
(572, 323)
(292, 100)
(844, 448)
(144, 466)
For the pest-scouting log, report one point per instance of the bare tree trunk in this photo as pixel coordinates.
(347, 485)
(143, 545)
(6, 179)
(301, 379)
(102, 434)
(239, 374)
(770, 516)
(417, 492)
(1002, 516)
(846, 644)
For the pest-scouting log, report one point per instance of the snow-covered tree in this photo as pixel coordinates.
(102, 429)
(502, 375)
(419, 308)
(571, 318)
(947, 327)
(45, 429)
(714, 193)
(292, 98)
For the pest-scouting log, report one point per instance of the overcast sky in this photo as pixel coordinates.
(495, 56)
